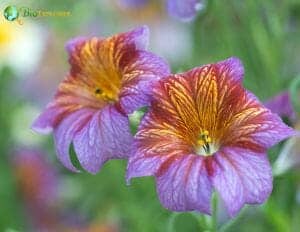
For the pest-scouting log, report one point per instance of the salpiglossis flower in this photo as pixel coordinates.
(203, 132)
(109, 78)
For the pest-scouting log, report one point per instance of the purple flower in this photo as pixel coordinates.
(204, 131)
(109, 78)
(37, 179)
(281, 104)
(185, 10)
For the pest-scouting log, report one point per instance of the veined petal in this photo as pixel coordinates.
(47, 120)
(184, 184)
(143, 166)
(232, 68)
(106, 136)
(256, 127)
(140, 75)
(88, 144)
(241, 177)
(65, 132)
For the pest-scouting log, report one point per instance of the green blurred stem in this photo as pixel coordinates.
(225, 227)
(214, 215)
(210, 223)
(294, 90)
(171, 222)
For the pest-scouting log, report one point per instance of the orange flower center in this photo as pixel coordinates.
(205, 145)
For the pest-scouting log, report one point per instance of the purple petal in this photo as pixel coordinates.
(232, 68)
(185, 185)
(139, 77)
(116, 133)
(271, 131)
(132, 3)
(72, 43)
(106, 136)
(139, 166)
(241, 177)
(65, 132)
(38, 178)
(139, 36)
(45, 122)
(282, 105)
(185, 10)
(257, 128)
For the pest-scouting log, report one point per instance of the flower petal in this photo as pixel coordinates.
(185, 185)
(140, 74)
(45, 122)
(241, 177)
(139, 36)
(73, 43)
(65, 132)
(140, 165)
(232, 68)
(256, 127)
(282, 105)
(106, 136)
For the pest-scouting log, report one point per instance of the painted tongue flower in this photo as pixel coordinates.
(205, 132)
(109, 78)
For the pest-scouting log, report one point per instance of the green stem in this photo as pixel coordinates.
(294, 90)
(171, 222)
(210, 223)
(231, 222)
(214, 215)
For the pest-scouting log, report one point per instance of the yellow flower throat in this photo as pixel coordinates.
(107, 96)
(204, 144)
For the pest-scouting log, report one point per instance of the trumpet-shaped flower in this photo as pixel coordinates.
(204, 131)
(109, 78)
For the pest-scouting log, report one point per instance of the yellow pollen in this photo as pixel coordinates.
(203, 143)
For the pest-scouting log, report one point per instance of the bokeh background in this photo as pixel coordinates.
(38, 194)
